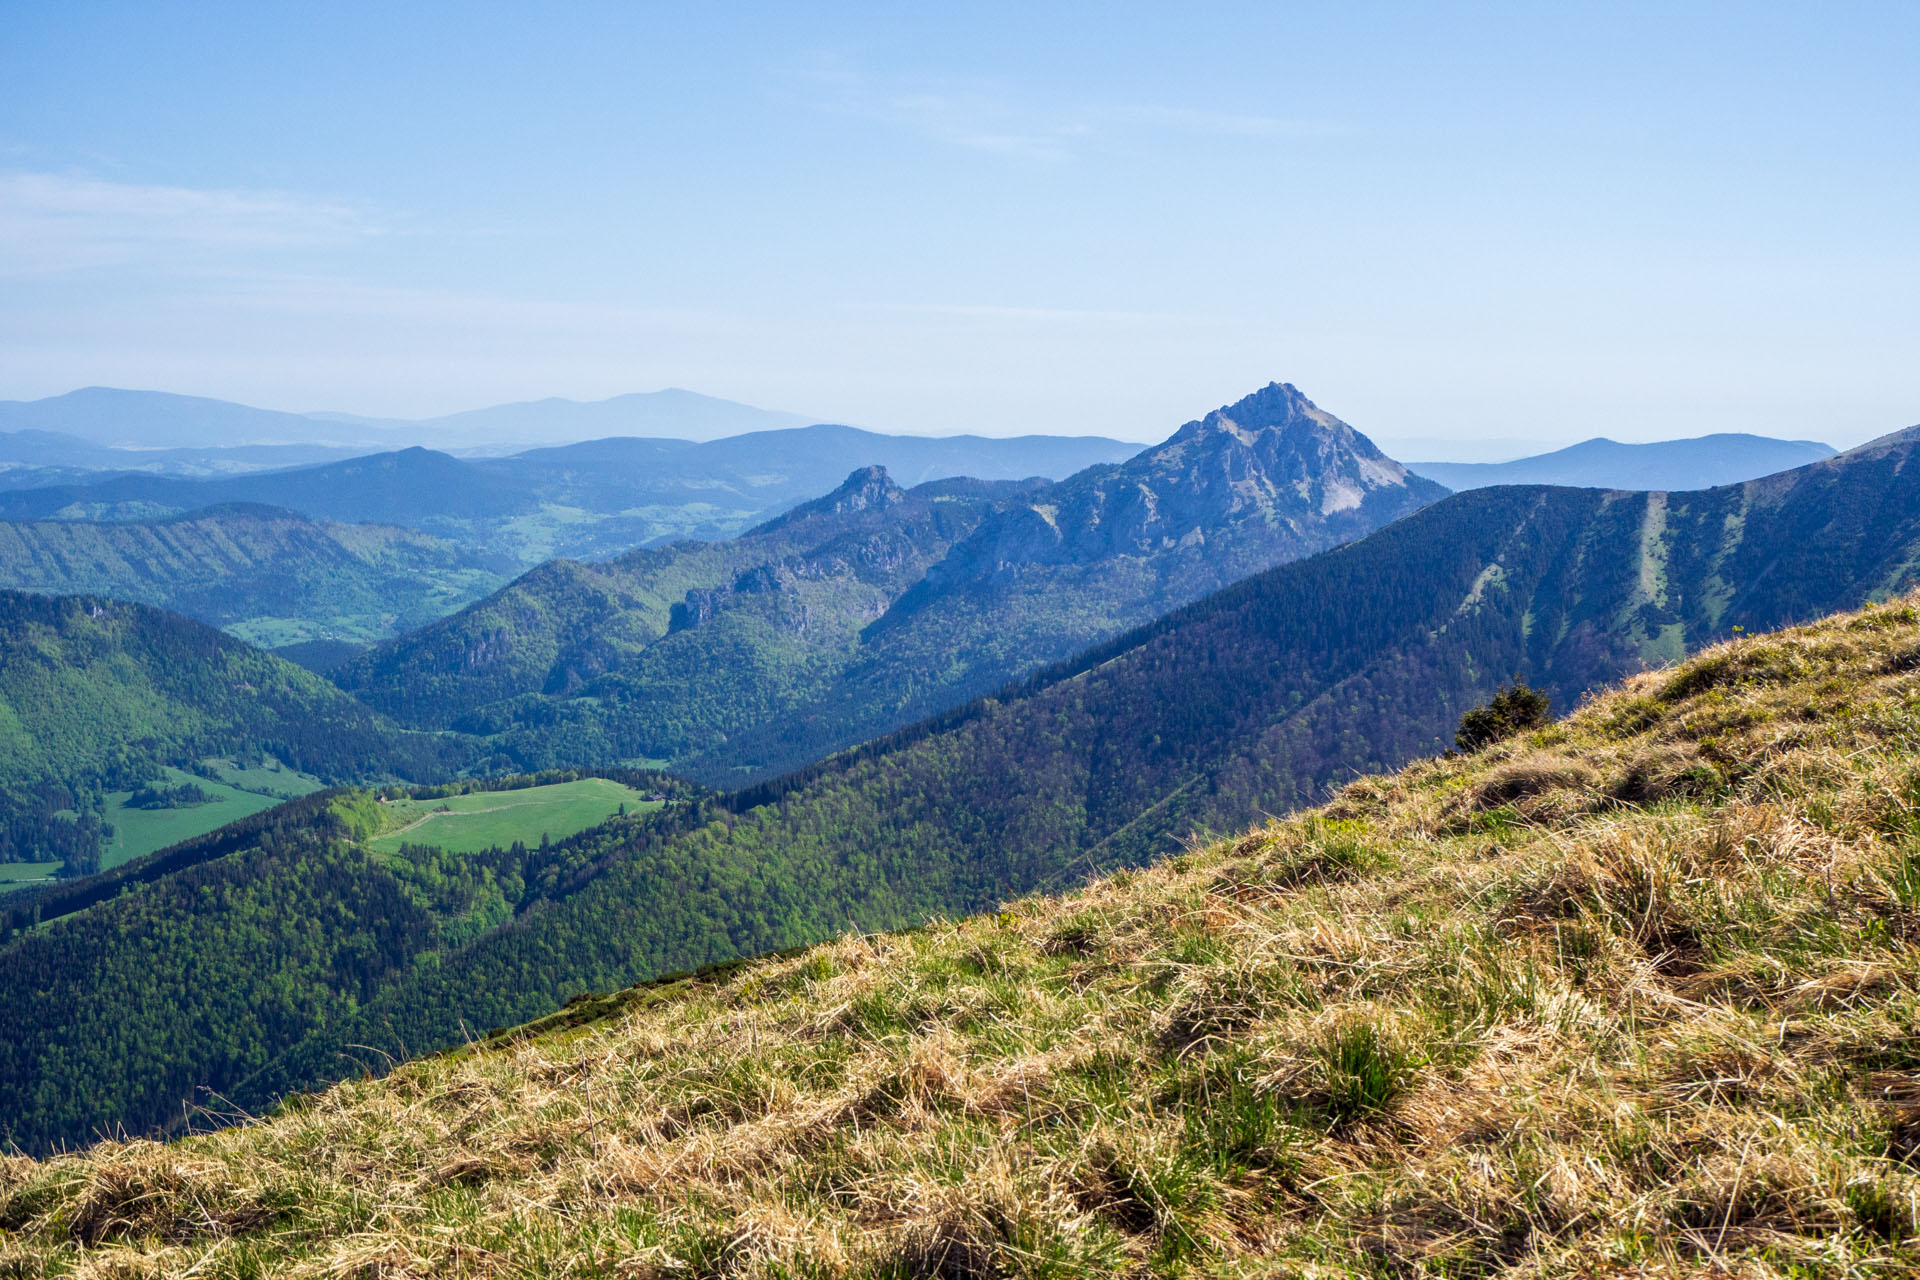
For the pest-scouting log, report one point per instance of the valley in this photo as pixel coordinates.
(1252, 700)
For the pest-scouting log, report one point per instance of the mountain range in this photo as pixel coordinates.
(591, 499)
(857, 613)
(1255, 699)
(1698, 463)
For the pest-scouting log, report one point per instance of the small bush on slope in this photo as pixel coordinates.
(1634, 992)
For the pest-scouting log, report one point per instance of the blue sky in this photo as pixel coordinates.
(1451, 221)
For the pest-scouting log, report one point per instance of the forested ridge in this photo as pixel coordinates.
(664, 650)
(270, 576)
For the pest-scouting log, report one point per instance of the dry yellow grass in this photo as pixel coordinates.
(1633, 994)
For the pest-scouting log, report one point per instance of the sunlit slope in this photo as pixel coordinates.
(1634, 991)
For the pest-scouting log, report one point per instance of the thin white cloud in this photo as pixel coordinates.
(1229, 124)
(54, 222)
(1045, 315)
(987, 114)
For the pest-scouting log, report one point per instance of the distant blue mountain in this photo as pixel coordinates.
(1699, 463)
(119, 418)
(684, 415)
(160, 420)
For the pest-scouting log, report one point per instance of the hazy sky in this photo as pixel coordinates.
(1440, 220)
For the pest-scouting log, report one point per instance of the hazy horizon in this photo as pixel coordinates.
(1508, 225)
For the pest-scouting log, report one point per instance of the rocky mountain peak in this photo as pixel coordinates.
(866, 489)
(1273, 474)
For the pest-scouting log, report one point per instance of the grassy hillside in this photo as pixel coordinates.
(271, 577)
(1633, 993)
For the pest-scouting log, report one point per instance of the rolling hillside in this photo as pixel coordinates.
(268, 576)
(1629, 994)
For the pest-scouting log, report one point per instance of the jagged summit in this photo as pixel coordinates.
(866, 489)
(1276, 406)
(1295, 476)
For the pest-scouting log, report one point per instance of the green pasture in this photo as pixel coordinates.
(495, 819)
(18, 875)
(240, 792)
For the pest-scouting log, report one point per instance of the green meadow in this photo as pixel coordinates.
(495, 819)
(238, 793)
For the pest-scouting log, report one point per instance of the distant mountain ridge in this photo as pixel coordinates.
(1698, 463)
(591, 499)
(115, 417)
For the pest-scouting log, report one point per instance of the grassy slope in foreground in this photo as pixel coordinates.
(1635, 991)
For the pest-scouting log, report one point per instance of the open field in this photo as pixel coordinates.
(17, 875)
(239, 793)
(495, 819)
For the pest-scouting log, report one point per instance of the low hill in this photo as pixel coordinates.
(270, 576)
(413, 487)
(1698, 463)
(1632, 993)
(100, 695)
